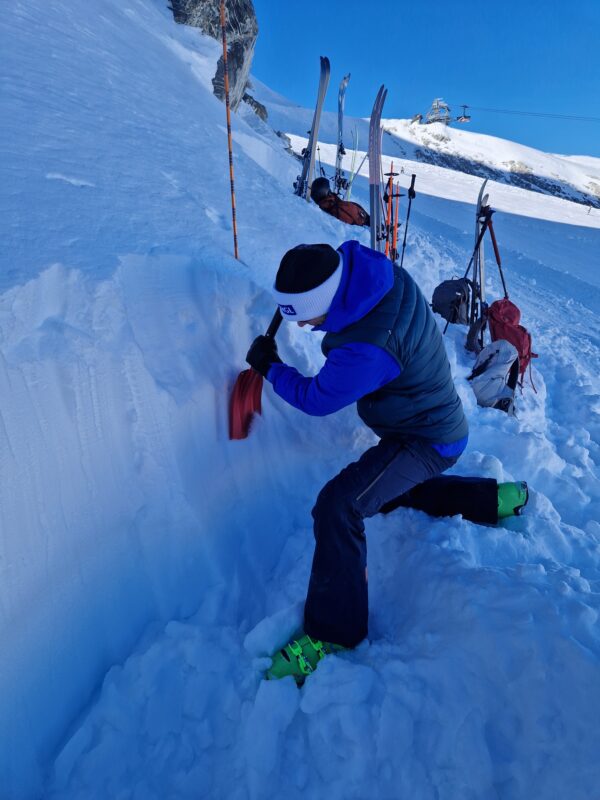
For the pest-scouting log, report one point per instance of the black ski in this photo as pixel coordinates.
(340, 183)
(304, 180)
(375, 170)
(475, 334)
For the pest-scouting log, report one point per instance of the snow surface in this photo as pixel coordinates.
(149, 566)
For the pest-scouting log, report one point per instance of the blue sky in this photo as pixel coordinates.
(523, 55)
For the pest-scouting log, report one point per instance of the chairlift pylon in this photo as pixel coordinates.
(439, 112)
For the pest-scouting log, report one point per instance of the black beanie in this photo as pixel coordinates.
(306, 266)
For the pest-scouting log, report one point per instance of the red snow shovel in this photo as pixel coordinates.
(246, 394)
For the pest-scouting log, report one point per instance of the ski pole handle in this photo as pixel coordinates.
(411, 191)
(274, 325)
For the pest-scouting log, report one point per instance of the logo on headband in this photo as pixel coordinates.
(289, 311)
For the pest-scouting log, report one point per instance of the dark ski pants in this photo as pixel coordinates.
(391, 474)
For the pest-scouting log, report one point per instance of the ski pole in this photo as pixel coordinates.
(394, 253)
(411, 195)
(477, 243)
(229, 144)
(388, 216)
(497, 254)
(353, 176)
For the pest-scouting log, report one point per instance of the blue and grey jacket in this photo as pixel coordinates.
(383, 351)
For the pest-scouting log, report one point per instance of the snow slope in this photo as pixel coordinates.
(149, 565)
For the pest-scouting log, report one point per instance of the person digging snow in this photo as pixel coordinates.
(345, 210)
(384, 351)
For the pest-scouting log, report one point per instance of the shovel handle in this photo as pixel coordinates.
(274, 325)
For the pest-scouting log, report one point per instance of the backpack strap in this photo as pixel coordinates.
(531, 379)
(475, 333)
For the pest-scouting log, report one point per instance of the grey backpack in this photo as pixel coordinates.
(495, 375)
(452, 300)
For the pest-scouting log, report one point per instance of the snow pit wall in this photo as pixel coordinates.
(110, 525)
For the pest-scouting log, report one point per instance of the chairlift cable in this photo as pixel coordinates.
(550, 115)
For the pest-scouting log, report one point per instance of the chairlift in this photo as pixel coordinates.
(464, 117)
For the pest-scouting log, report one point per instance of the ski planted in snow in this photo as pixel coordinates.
(340, 182)
(482, 202)
(479, 258)
(374, 153)
(304, 180)
(475, 334)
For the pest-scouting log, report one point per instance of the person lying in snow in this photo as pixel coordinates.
(344, 210)
(385, 352)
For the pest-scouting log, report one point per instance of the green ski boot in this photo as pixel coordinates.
(512, 497)
(299, 658)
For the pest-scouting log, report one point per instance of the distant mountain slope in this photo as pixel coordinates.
(576, 179)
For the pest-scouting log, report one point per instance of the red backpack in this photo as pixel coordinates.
(503, 318)
(345, 210)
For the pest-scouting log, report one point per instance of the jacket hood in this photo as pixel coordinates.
(367, 276)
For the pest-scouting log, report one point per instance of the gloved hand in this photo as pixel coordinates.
(263, 353)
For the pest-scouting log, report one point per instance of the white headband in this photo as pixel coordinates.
(302, 306)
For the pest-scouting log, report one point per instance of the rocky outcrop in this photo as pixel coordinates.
(242, 31)
(257, 107)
